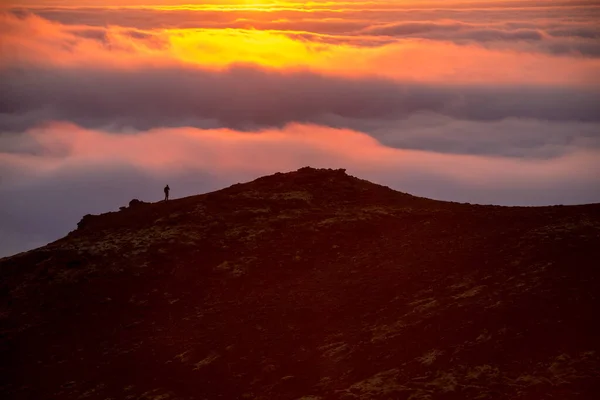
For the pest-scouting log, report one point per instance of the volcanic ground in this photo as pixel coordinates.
(309, 285)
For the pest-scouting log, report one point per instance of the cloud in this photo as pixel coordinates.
(471, 111)
(553, 28)
(566, 38)
(509, 137)
(247, 98)
(35, 41)
(124, 80)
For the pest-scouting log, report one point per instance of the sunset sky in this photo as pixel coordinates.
(475, 101)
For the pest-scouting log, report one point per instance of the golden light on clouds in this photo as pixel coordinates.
(34, 39)
(225, 47)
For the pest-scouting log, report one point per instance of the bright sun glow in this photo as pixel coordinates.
(254, 40)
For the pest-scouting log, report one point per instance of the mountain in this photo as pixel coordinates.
(307, 285)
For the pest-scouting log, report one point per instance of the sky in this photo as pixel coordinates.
(481, 101)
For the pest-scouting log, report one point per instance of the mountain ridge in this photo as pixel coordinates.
(310, 284)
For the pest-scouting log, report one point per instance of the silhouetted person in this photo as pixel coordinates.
(167, 188)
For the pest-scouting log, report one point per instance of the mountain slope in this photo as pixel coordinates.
(313, 285)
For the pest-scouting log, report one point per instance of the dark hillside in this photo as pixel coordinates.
(308, 285)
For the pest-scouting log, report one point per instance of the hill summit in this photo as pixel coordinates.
(307, 285)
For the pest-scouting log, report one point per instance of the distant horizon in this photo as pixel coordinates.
(479, 101)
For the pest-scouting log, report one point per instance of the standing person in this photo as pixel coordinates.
(167, 188)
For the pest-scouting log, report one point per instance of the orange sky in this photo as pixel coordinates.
(34, 39)
(273, 5)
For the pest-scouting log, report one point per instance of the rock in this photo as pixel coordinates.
(136, 203)
(85, 221)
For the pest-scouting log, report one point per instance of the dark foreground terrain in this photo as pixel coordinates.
(308, 285)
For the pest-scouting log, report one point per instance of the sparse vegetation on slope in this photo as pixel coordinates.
(307, 285)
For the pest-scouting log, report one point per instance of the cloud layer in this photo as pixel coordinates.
(568, 27)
